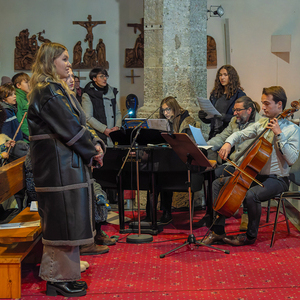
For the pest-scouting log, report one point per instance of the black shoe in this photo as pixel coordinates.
(80, 284)
(67, 289)
(165, 219)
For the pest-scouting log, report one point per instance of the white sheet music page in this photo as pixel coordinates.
(198, 137)
(206, 105)
(160, 124)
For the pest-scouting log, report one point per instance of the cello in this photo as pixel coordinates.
(234, 191)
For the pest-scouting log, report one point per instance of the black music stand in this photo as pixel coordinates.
(190, 154)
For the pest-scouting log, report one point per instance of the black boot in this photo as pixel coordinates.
(148, 217)
(80, 284)
(166, 218)
(67, 289)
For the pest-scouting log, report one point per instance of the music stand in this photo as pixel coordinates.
(190, 154)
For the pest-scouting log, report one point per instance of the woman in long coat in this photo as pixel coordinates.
(62, 151)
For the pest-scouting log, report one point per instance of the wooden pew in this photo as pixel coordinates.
(15, 244)
(12, 178)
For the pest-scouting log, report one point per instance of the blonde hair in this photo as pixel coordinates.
(44, 69)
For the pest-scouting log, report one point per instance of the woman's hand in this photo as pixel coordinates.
(98, 148)
(99, 157)
(115, 128)
(107, 131)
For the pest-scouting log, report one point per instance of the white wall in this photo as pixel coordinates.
(56, 17)
(251, 24)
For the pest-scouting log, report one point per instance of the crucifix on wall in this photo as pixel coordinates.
(89, 25)
(92, 57)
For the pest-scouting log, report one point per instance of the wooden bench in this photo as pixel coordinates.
(15, 244)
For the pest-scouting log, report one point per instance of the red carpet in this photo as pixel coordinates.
(131, 271)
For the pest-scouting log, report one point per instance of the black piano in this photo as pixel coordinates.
(159, 168)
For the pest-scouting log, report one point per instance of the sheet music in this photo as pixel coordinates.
(198, 137)
(206, 105)
(160, 124)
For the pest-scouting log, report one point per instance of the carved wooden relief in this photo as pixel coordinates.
(26, 48)
(91, 57)
(134, 58)
(211, 51)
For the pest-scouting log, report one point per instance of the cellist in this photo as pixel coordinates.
(245, 114)
(285, 139)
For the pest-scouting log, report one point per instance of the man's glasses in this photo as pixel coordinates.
(238, 109)
(168, 109)
(103, 76)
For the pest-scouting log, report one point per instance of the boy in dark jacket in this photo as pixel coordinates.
(8, 101)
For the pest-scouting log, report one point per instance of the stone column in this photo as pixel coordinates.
(175, 53)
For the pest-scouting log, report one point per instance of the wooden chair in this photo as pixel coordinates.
(294, 177)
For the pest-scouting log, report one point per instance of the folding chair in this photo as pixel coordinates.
(294, 177)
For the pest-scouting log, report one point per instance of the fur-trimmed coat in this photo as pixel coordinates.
(62, 151)
(184, 122)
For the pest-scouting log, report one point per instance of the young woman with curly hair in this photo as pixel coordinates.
(226, 91)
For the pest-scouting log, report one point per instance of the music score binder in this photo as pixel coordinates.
(146, 136)
(182, 144)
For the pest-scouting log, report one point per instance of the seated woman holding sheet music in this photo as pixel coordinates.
(226, 91)
(179, 121)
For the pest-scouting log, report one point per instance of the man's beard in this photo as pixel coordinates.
(241, 120)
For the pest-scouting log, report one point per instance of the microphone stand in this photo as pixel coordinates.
(139, 238)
